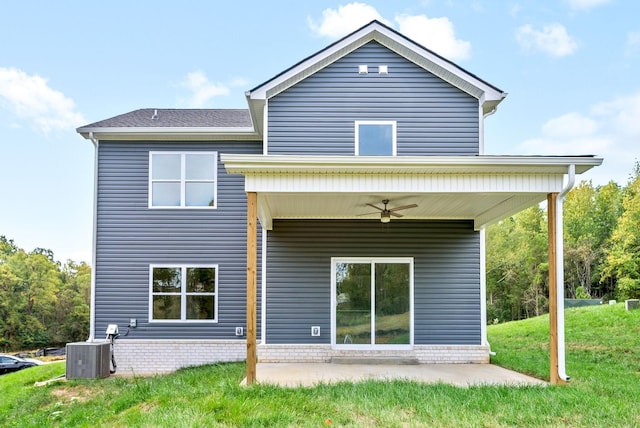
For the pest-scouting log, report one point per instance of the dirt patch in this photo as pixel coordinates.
(76, 394)
(147, 407)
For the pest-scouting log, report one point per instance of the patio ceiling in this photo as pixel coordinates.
(484, 189)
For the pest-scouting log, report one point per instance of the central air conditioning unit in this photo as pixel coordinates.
(88, 360)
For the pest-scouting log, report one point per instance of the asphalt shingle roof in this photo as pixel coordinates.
(177, 118)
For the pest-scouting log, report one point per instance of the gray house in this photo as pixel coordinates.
(341, 215)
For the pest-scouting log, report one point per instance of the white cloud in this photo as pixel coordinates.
(436, 34)
(552, 39)
(586, 4)
(571, 133)
(348, 18)
(610, 129)
(31, 98)
(623, 114)
(202, 90)
(633, 43)
(570, 125)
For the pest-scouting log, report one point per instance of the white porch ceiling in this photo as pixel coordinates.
(461, 206)
(484, 189)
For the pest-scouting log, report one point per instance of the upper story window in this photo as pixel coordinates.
(183, 293)
(183, 180)
(375, 138)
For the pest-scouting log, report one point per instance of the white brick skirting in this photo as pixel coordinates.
(424, 354)
(294, 353)
(452, 354)
(142, 357)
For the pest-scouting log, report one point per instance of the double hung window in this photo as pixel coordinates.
(183, 293)
(182, 180)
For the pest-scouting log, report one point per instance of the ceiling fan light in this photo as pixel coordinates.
(385, 217)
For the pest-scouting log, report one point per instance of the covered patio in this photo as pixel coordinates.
(484, 189)
(462, 375)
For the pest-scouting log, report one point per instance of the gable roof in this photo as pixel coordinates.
(489, 95)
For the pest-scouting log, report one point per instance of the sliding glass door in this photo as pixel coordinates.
(373, 302)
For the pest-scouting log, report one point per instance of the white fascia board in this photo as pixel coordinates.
(260, 164)
(168, 133)
(392, 40)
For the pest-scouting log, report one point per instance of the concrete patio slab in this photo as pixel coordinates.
(464, 375)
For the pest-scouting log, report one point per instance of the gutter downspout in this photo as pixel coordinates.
(92, 304)
(483, 251)
(483, 292)
(571, 175)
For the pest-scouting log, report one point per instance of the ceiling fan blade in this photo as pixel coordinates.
(373, 206)
(372, 213)
(404, 207)
(395, 214)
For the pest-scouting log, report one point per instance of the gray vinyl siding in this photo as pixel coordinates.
(130, 237)
(316, 116)
(446, 275)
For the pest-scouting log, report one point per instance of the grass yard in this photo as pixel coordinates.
(603, 345)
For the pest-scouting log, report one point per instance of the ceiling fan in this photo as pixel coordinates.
(386, 213)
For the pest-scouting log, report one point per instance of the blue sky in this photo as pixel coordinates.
(570, 68)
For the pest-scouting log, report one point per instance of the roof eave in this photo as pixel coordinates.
(257, 164)
(170, 133)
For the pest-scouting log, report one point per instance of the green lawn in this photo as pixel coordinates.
(603, 345)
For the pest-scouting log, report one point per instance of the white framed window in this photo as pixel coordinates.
(183, 293)
(375, 138)
(183, 179)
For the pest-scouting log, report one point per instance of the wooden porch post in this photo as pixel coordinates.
(252, 262)
(553, 289)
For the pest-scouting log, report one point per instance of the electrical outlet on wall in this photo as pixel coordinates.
(239, 331)
(315, 330)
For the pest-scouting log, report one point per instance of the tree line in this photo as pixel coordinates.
(601, 251)
(42, 302)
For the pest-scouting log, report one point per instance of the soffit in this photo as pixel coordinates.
(484, 189)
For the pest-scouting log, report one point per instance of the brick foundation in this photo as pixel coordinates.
(424, 354)
(144, 357)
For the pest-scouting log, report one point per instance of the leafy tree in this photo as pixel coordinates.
(623, 258)
(72, 310)
(7, 247)
(590, 216)
(517, 266)
(41, 303)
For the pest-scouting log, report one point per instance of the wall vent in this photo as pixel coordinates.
(88, 360)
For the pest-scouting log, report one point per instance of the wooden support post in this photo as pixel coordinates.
(252, 262)
(553, 289)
